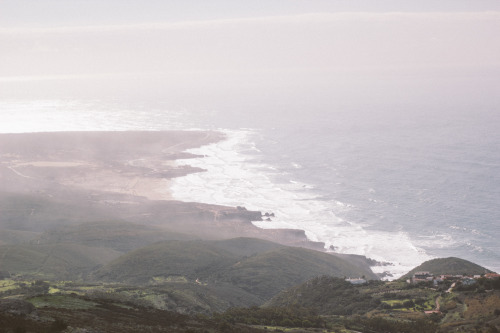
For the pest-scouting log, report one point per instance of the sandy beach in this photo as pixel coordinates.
(64, 178)
(132, 163)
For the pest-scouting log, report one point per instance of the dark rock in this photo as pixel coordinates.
(16, 307)
(384, 274)
(241, 213)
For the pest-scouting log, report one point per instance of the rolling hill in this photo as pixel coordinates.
(269, 272)
(246, 246)
(325, 295)
(53, 261)
(117, 235)
(249, 267)
(451, 265)
(164, 259)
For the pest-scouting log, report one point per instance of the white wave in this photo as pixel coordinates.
(475, 248)
(465, 229)
(235, 179)
(437, 241)
(297, 185)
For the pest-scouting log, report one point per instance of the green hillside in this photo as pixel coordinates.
(267, 273)
(37, 212)
(118, 235)
(72, 251)
(54, 261)
(214, 262)
(451, 265)
(163, 259)
(326, 295)
(8, 236)
(245, 246)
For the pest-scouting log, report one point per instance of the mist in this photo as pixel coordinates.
(178, 166)
(321, 59)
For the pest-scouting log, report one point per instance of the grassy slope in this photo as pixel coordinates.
(451, 265)
(118, 235)
(267, 273)
(55, 261)
(137, 309)
(325, 295)
(36, 213)
(262, 274)
(185, 258)
(72, 251)
(16, 236)
(245, 246)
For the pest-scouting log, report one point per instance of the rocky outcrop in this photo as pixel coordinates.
(17, 307)
(240, 213)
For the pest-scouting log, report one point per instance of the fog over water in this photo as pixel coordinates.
(396, 188)
(374, 129)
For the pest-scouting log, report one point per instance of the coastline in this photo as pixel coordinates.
(130, 163)
(160, 179)
(237, 175)
(166, 179)
(120, 175)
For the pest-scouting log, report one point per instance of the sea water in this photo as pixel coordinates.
(399, 186)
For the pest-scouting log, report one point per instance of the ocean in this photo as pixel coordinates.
(401, 184)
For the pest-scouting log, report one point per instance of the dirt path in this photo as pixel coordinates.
(438, 306)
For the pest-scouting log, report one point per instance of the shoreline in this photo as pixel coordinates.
(132, 176)
(235, 178)
(117, 162)
(127, 175)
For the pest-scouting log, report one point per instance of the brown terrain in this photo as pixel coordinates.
(66, 178)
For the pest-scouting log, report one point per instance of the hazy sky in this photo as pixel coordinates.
(87, 12)
(255, 42)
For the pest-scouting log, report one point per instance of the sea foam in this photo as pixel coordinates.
(452, 212)
(234, 178)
